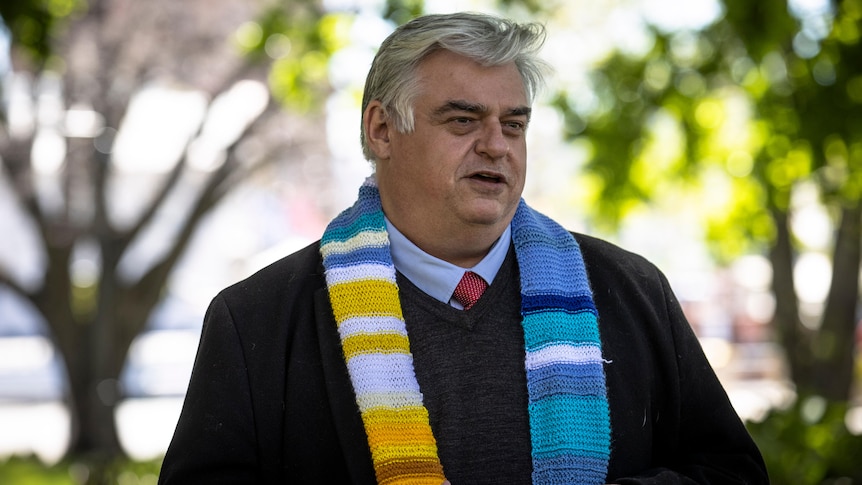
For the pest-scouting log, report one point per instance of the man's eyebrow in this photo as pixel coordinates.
(521, 111)
(469, 107)
(460, 105)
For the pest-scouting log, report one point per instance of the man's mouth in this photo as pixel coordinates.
(487, 177)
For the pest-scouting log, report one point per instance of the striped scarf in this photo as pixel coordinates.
(568, 408)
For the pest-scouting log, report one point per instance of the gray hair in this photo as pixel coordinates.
(488, 40)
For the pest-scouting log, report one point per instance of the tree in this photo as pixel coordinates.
(104, 52)
(793, 76)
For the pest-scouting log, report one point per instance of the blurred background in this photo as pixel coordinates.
(155, 152)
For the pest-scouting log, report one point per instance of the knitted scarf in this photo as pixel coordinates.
(568, 408)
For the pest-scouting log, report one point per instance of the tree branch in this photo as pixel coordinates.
(15, 158)
(148, 288)
(169, 183)
(6, 280)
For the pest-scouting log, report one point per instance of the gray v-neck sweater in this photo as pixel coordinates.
(470, 369)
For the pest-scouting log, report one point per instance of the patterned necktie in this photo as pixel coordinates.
(469, 289)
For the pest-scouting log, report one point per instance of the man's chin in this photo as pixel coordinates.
(490, 216)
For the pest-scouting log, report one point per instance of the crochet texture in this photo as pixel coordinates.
(568, 408)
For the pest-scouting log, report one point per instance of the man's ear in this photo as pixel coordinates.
(377, 126)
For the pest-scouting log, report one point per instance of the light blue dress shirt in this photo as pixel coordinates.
(439, 278)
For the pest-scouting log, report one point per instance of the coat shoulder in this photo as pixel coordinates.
(603, 256)
(299, 269)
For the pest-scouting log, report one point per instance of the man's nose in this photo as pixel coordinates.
(492, 142)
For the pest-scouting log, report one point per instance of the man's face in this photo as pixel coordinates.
(461, 171)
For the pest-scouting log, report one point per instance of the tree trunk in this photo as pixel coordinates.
(791, 334)
(75, 335)
(820, 362)
(93, 397)
(834, 349)
(94, 365)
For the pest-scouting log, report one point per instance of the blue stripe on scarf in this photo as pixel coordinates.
(575, 379)
(533, 303)
(359, 256)
(570, 469)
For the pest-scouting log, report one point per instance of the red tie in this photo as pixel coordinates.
(469, 289)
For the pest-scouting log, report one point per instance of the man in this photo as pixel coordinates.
(364, 359)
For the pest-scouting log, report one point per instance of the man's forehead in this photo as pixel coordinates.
(449, 81)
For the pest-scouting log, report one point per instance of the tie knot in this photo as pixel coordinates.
(469, 289)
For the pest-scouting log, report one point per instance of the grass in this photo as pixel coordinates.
(29, 470)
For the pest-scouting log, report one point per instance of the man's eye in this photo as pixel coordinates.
(515, 125)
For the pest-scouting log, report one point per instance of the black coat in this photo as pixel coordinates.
(270, 399)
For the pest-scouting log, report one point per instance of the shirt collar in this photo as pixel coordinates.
(436, 277)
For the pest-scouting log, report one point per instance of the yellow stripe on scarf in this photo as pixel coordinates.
(365, 298)
(364, 343)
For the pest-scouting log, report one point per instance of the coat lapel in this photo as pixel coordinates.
(342, 401)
